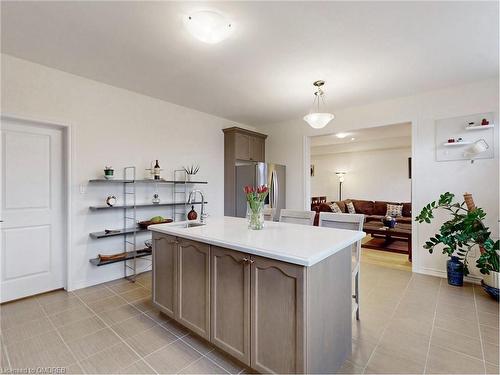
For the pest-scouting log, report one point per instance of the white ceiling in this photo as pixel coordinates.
(366, 51)
(378, 138)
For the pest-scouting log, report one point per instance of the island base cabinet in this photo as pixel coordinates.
(277, 316)
(230, 302)
(165, 273)
(194, 286)
(274, 316)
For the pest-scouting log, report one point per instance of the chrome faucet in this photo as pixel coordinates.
(192, 197)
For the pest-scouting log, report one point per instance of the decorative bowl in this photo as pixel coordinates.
(389, 221)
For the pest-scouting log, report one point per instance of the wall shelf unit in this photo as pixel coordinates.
(146, 181)
(456, 144)
(480, 127)
(468, 129)
(116, 232)
(95, 208)
(129, 231)
(130, 255)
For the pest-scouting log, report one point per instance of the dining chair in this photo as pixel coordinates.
(297, 217)
(269, 213)
(352, 222)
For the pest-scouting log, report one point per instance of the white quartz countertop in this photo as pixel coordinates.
(299, 244)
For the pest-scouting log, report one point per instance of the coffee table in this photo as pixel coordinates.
(385, 238)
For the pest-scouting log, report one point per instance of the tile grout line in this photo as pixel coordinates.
(479, 329)
(119, 337)
(4, 348)
(383, 331)
(179, 337)
(199, 359)
(59, 334)
(432, 327)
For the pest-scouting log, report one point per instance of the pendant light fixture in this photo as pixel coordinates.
(317, 119)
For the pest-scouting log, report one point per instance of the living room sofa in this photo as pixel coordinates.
(373, 210)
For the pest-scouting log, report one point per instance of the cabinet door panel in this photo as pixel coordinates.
(194, 286)
(164, 273)
(257, 149)
(242, 146)
(277, 316)
(230, 307)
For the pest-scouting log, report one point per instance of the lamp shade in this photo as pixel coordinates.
(318, 120)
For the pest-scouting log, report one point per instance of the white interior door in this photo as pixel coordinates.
(32, 234)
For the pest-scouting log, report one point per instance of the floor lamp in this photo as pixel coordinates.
(340, 175)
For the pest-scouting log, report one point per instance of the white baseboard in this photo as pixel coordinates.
(440, 273)
(87, 283)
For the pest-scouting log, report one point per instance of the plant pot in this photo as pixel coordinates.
(455, 270)
(492, 280)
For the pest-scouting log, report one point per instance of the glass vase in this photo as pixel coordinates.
(255, 215)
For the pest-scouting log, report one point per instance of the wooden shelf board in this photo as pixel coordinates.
(94, 208)
(130, 255)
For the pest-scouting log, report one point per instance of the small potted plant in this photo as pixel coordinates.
(191, 171)
(109, 173)
(459, 235)
(255, 205)
(488, 264)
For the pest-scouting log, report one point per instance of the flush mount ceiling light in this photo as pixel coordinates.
(317, 119)
(208, 26)
(341, 135)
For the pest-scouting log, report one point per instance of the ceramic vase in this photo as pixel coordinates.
(455, 270)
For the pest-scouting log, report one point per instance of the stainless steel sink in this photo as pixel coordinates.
(195, 224)
(189, 224)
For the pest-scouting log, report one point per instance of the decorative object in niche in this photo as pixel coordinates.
(109, 173)
(192, 215)
(111, 200)
(456, 136)
(191, 171)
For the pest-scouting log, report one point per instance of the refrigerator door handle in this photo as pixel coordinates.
(274, 181)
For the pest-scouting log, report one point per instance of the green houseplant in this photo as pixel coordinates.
(459, 234)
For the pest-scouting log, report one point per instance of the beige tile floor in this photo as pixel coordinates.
(409, 323)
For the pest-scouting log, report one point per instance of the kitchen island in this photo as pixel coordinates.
(277, 299)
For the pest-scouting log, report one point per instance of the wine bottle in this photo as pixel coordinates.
(156, 171)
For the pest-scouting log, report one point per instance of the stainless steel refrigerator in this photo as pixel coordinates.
(257, 174)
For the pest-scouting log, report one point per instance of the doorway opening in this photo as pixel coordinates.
(368, 171)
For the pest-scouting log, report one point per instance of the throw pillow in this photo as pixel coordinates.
(394, 210)
(335, 208)
(350, 207)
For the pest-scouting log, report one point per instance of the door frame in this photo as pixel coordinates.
(67, 138)
(306, 162)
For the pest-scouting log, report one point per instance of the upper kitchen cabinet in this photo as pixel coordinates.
(246, 145)
(240, 145)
